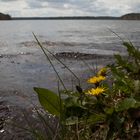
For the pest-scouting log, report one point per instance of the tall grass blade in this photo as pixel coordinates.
(46, 125)
(41, 46)
(65, 66)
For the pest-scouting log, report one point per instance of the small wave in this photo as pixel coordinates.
(14, 55)
(56, 43)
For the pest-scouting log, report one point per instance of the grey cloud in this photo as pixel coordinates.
(8, 0)
(34, 5)
(135, 7)
(76, 7)
(82, 5)
(91, 7)
(54, 1)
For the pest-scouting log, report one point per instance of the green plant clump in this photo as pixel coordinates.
(107, 111)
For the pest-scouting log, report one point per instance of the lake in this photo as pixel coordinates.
(23, 65)
(88, 36)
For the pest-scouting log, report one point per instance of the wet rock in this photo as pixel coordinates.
(22, 118)
(1, 56)
(4, 114)
(77, 55)
(28, 43)
(12, 62)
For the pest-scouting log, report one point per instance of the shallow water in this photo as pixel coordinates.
(23, 65)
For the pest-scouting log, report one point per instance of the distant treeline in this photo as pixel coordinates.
(5, 16)
(131, 16)
(65, 18)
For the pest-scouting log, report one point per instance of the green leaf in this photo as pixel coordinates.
(109, 111)
(137, 105)
(96, 118)
(124, 63)
(137, 86)
(49, 100)
(119, 59)
(118, 74)
(130, 48)
(72, 101)
(126, 104)
(72, 121)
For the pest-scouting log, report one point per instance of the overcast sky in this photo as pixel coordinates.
(28, 8)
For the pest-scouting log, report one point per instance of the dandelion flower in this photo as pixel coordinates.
(96, 91)
(102, 72)
(96, 79)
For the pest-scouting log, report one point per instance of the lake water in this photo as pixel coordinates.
(23, 65)
(88, 36)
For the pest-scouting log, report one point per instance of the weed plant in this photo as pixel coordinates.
(107, 111)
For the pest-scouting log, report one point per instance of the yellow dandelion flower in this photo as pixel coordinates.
(96, 91)
(102, 71)
(96, 79)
